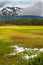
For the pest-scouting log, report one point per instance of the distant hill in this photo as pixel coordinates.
(13, 17)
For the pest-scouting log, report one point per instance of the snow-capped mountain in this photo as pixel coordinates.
(10, 11)
(36, 10)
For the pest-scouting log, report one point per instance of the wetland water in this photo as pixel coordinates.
(26, 53)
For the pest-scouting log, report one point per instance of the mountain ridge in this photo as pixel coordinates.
(10, 10)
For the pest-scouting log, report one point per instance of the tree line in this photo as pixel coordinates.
(22, 22)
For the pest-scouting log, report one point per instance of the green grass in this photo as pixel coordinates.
(26, 36)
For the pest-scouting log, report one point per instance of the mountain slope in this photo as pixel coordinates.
(10, 10)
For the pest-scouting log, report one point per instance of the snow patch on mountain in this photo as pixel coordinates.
(10, 10)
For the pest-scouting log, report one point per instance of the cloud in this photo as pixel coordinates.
(36, 10)
(20, 3)
(2, 3)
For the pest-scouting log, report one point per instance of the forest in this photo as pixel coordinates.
(22, 22)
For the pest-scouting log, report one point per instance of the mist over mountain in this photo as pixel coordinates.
(36, 9)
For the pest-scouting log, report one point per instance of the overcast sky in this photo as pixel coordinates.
(20, 3)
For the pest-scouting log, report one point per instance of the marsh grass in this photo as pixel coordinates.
(26, 36)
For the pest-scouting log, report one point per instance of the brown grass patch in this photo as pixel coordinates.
(23, 38)
(38, 33)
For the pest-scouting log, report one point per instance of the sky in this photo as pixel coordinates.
(18, 3)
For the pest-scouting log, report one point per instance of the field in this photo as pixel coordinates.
(23, 36)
